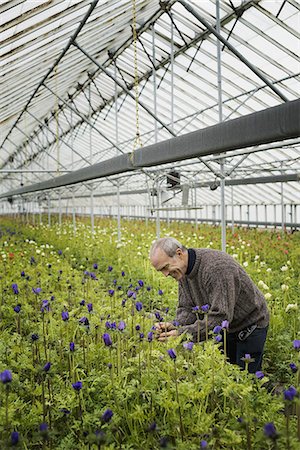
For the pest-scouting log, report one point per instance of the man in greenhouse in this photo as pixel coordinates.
(214, 294)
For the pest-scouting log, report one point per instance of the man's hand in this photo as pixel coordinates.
(165, 330)
(163, 336)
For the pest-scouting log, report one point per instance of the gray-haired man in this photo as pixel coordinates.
(207, 276)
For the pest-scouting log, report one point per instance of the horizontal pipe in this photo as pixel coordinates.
(270, 125)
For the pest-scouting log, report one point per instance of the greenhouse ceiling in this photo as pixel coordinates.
(87, 85)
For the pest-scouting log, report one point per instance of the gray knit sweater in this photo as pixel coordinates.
(218, 280)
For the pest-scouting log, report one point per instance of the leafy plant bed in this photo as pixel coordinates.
(80, 366)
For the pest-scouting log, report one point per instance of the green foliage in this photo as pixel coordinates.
(198, 396)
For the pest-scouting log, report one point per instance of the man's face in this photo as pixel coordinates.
(173, 266)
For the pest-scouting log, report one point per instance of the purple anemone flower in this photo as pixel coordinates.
(84, 321)
(270, 430)
(82, 303)
(225, 325)
(65, 316)
(259, 374)
(107, 415)
(195, 308)
(139, 306)
(293, 367)
(296, 344)
(218, 338)
(77, 386)
(205, 308)
(90, 307)
(72, 347)
(47, 366)
(14, 438)
(141, 283)
(107, 339)
(109, 268)
(290, 393)
(15, 288)
(37, 290)
(34, 336)
(150, 336)
(217, 329)
(43, 427)
(122, 325)
(160, 292)
(17, 309)
(188, 346)
(6, 376)
(172, 353)
(95, 266)
(111, 292)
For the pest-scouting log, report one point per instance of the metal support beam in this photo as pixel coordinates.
(128, 92)
(273, 124)
(72, 39)
(254, 69)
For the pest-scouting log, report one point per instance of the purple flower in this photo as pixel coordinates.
(203, 444)
(259, 374)
(109, 268)
(293, 367)
(65, 411)
(45, 306)
(270, 431)
(113, 325)
(139, 306)
(150, 336)
(247, 356)
(111, 292)
(123, 273)
(175, 323)
(217, 329)
(205, 308)
(160, 292)
(107, 339)
(138, 327)
(65, 316)
(84, 321)
(47, 366)
(142, 336)
(225, 324)
(43, 427)
(141, 283)
(37, 290)
(290, 394)
(82, 303)
(15, 288)
(195, 308)
(107, 415)
(152, 426)
(107, 324)
(6, 376)
(123, 303)
(188, 346)
(23, 273)
(93, 276)
(172, 353)
(148, 288)
(72, 347)
(90, 307)
(77, 386)
(14, 437)
(34, 336)
(32, 260)
(296, 344)
(122, 325)
(17, 309)
(95, 266)
(59, 252)
(218, 338)
(130, 293)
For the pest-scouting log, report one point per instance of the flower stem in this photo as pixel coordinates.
(177, 399)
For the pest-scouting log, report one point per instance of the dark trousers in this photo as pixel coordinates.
(253, 345)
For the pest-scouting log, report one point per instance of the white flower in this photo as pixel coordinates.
(245, 264)
(268, 295)
(256, 257)
(235, 256)
(38, 251)
(263, 285)
(269, 269)
(284, 287)
(291, 307)
(284, 268)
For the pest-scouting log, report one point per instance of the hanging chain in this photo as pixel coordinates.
(56, 119)
(137, 141)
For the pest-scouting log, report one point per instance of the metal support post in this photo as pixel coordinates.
(59, 208)
(157, 211)
(232, 211)
(154, 85)
(172, 72)
(119, 212)
(49, 212)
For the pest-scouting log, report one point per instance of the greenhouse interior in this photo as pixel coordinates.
(137, 137)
